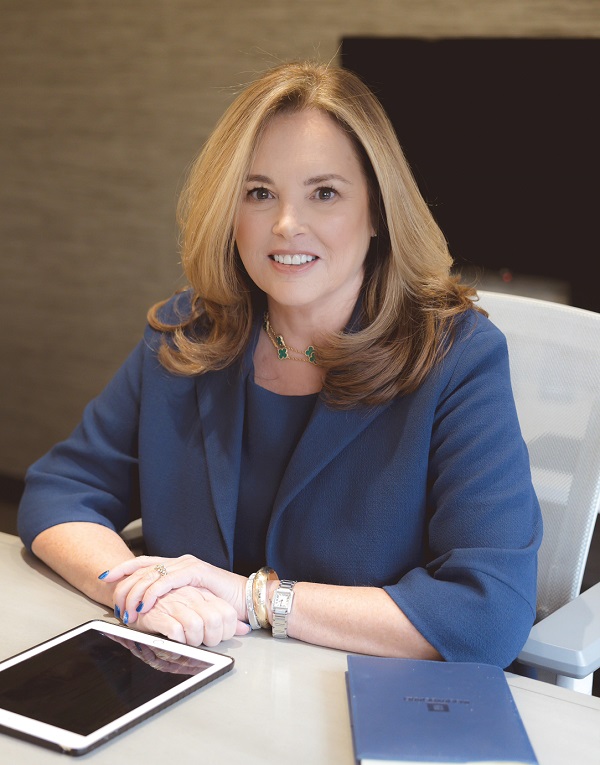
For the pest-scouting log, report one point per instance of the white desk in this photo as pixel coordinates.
(230, 722)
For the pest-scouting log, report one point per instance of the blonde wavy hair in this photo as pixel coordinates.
(408, 298)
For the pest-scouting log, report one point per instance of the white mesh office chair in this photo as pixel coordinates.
(554, 353)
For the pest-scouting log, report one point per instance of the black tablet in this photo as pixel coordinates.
(83, 687)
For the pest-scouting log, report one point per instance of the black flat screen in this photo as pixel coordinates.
(91, 679)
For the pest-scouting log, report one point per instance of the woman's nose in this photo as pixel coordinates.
(288, 222)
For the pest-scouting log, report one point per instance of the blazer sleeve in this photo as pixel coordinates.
(485, 524)
(91, 476)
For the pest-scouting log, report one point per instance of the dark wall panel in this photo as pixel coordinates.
(502, 135)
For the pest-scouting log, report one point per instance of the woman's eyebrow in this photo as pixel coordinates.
(258, 179)
(325, 178)
(314, 180)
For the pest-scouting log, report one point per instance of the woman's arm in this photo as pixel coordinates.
(77, 550)
(357, 619)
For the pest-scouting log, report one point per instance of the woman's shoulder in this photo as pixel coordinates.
(476, 342)
(176, 310)
(472, 323)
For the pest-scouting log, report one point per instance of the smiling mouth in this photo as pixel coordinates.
(293, 260)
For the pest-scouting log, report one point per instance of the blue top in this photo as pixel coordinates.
(273, 425)
(428, 496)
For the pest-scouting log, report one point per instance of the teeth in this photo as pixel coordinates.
(293, 260)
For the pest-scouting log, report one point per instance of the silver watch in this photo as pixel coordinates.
(281, 606)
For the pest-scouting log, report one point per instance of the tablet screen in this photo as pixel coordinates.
(93, 678)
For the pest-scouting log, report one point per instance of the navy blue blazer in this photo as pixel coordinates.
(429, 496)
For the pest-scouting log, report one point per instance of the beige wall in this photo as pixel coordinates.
(102, 106)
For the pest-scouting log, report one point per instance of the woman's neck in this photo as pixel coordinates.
(287, 377)
(303, 326)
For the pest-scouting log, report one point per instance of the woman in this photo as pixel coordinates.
(323, 399)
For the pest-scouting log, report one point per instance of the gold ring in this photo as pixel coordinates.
(162, 571)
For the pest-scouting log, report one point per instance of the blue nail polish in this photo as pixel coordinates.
(117, 612)
(125, 617)
(103, 575)
(140, 606)
(138, 646)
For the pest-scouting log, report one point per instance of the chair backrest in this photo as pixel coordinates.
(554, 353)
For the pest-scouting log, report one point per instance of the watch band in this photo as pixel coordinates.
(281, 606)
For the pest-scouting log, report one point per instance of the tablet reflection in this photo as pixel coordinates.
(161, 659)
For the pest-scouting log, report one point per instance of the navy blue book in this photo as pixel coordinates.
(415, 711)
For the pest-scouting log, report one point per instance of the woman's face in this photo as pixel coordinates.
(304, 226)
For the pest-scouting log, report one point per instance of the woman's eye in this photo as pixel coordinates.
(259, 193)
(325, 193)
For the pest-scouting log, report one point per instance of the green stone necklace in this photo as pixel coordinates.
(284, 351)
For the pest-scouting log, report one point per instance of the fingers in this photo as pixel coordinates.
(194, 617)
(129, 567)
(162, 623)
(141, 582)
(132, 594)
(148, 578)
(139, 591)
(167, 596)
(210, 625)
(242, 628)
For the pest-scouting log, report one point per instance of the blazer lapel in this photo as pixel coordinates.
(328, 432)
(221, 404)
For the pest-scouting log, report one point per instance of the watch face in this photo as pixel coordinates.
(282, 599)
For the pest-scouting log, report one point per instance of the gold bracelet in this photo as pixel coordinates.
(259, 594)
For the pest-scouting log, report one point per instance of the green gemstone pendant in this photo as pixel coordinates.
(311, 353)
(283, 350)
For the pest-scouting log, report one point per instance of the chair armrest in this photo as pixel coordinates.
(133, 536)
(568, 641)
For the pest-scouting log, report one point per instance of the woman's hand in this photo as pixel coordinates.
(192, 615)
(140, 583)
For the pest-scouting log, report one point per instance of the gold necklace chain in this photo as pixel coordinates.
(283, 350)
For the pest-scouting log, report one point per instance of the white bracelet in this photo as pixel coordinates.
(250, 604)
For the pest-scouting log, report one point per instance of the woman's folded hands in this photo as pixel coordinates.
(183, 598)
